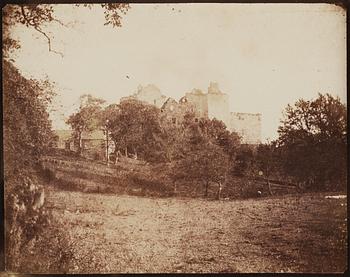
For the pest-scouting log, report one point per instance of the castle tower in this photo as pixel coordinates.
(150, 94)
(199, 100)
(218, 104)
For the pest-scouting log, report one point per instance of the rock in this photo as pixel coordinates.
(180, 265)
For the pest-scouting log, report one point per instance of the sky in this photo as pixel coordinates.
(263, 56)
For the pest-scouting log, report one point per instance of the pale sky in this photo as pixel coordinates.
(263, 55)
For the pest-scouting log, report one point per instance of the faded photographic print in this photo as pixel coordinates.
(174, 138)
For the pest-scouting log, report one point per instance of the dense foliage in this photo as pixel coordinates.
(27, 136)
(310, 150)
(135, 129)
(312, 139)
(27, 132)
(87, 118)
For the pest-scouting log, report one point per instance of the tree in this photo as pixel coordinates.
(312, 137)
(27, 126)
(268, 161)
(215, 130)
(135, 128)
(204, 165)
(37, 16)
(204, 153)
(244, 161)
(27, 136)
(87, 118)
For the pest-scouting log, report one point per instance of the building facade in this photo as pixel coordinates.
(213, 104)
(149, 94)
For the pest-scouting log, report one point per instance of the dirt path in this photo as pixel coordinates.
(133, 234)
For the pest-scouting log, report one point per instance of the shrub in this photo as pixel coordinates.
(25, 220)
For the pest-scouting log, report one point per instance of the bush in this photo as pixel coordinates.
(48, 174)
(25, 218)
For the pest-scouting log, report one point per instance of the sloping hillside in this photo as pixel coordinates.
(134, 177)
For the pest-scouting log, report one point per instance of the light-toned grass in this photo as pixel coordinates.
(131, 234)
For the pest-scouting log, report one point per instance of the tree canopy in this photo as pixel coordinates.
(87, 118)
(207, 151)
(312, 138)
(27, 126)
(135, 128)
(27, 136)
(38, 16)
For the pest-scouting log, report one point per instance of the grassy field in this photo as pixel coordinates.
(112, 233)
(121, 219)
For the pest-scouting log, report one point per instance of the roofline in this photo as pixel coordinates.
(239, 113)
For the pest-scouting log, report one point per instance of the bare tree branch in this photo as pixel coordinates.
(37, 28)
(48, 41)
(38, 15)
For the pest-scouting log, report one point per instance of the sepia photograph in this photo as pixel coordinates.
(174, 138)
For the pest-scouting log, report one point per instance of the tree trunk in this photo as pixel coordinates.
(219, 191)
(126, 152)
(269, 187)
(80, 143)
(206, 188)
(117, 155)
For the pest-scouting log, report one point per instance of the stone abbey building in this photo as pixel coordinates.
(213, 104)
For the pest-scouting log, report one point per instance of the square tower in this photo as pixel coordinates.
(218, 104)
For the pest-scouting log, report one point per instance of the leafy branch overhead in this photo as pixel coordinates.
(37, 16)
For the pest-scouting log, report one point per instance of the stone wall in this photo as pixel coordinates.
(218, 104)
(173, 112)
(200, 101)
(248, 126)
(149, 94)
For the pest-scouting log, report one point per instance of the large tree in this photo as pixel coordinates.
(204, 154)
(216, 131)
(312, 137)
(204, 165)
(87, 118)
(135, 128)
